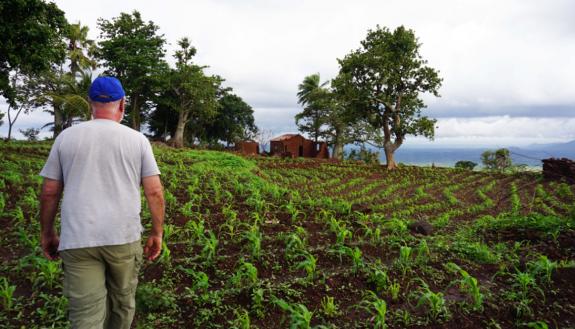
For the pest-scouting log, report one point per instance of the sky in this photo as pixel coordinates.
(507, 66)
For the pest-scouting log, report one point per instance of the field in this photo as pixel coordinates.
(274, 243)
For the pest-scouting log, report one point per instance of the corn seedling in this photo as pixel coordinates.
(394, 290)
(423, 252)
(328, 307)
(209, 250)
(434, 301)
(308, 264)
(253, 237)
(7, 293)
(379, 279)
(300, 316)
(246, 276)
(377, 308)
(241, 321)
(468, 284)
(404, 261)
(542, 268)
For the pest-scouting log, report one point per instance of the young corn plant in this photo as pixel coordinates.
(404, 262)
(468, 284)
(241, 321)
(434, 301)
(308, 264)
(379, 278)
(394, 290)
(209, 250)
(246, 276)
(49, 273)
(377, 308)
(423, 252)
(329, 308)
(356, 259)
(7, 293)
(295, 246)
(253, 237)
(542, 268)
(300, 316)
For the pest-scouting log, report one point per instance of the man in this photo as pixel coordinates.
(99, 166)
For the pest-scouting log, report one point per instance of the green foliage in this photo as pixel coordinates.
(133, 51)
(496, 160)
(377, 308)
(300, 316)
(434, 301)
(364, 154)
(152, 298)
(382, 82)
(542, 268)
(329, 308)
(32, 39)
(7, 293)
(468, 165)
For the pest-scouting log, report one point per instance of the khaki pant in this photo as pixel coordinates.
(100, 283)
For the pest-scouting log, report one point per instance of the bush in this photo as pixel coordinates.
(469, 165)
(365, 155)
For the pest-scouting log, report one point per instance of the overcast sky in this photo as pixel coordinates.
(508, 67)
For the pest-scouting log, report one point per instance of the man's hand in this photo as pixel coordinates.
(50, 242)
(153, 247)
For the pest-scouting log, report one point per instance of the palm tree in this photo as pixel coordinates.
(312, 96)
(80, 49)
(309, 88)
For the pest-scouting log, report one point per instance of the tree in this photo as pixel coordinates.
(133, 51)
(496, 160)
(468, 165)
(382, 82)
(80, 49)
(312, 96)
(31, 33)
(23, 100)
(31, 134)
(193, 94)
(233, 122)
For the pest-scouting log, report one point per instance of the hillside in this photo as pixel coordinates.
(267, 242)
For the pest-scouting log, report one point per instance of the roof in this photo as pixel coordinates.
(285, 137)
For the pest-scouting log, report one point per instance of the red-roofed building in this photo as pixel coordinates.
(295, 145)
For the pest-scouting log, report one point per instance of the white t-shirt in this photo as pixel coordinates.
(101, 164)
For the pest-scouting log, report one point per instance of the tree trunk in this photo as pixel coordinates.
(338, 145)
(135, 113)
(178, 140)
(389, 157)
(58, 121)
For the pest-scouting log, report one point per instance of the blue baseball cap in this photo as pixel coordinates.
(106, 90)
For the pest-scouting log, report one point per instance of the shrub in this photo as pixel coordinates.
(468, 165)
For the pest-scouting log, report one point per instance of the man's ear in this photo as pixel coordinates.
(122, 104)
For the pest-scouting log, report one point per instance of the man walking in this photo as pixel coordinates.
(99, 167)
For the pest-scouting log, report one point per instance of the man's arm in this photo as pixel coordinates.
(154, 193)
(49, 200)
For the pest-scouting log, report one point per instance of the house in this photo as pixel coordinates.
(248, 147)
(295, 145)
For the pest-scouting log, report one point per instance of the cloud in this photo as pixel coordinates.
(497, 58)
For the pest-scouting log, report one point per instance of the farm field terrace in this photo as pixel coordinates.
(280, 243)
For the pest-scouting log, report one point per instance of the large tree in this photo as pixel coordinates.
(31, 40)
(383, 81)
(233, 122)
(133, 51)
(192, 94)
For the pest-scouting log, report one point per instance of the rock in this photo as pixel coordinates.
(421, 227)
